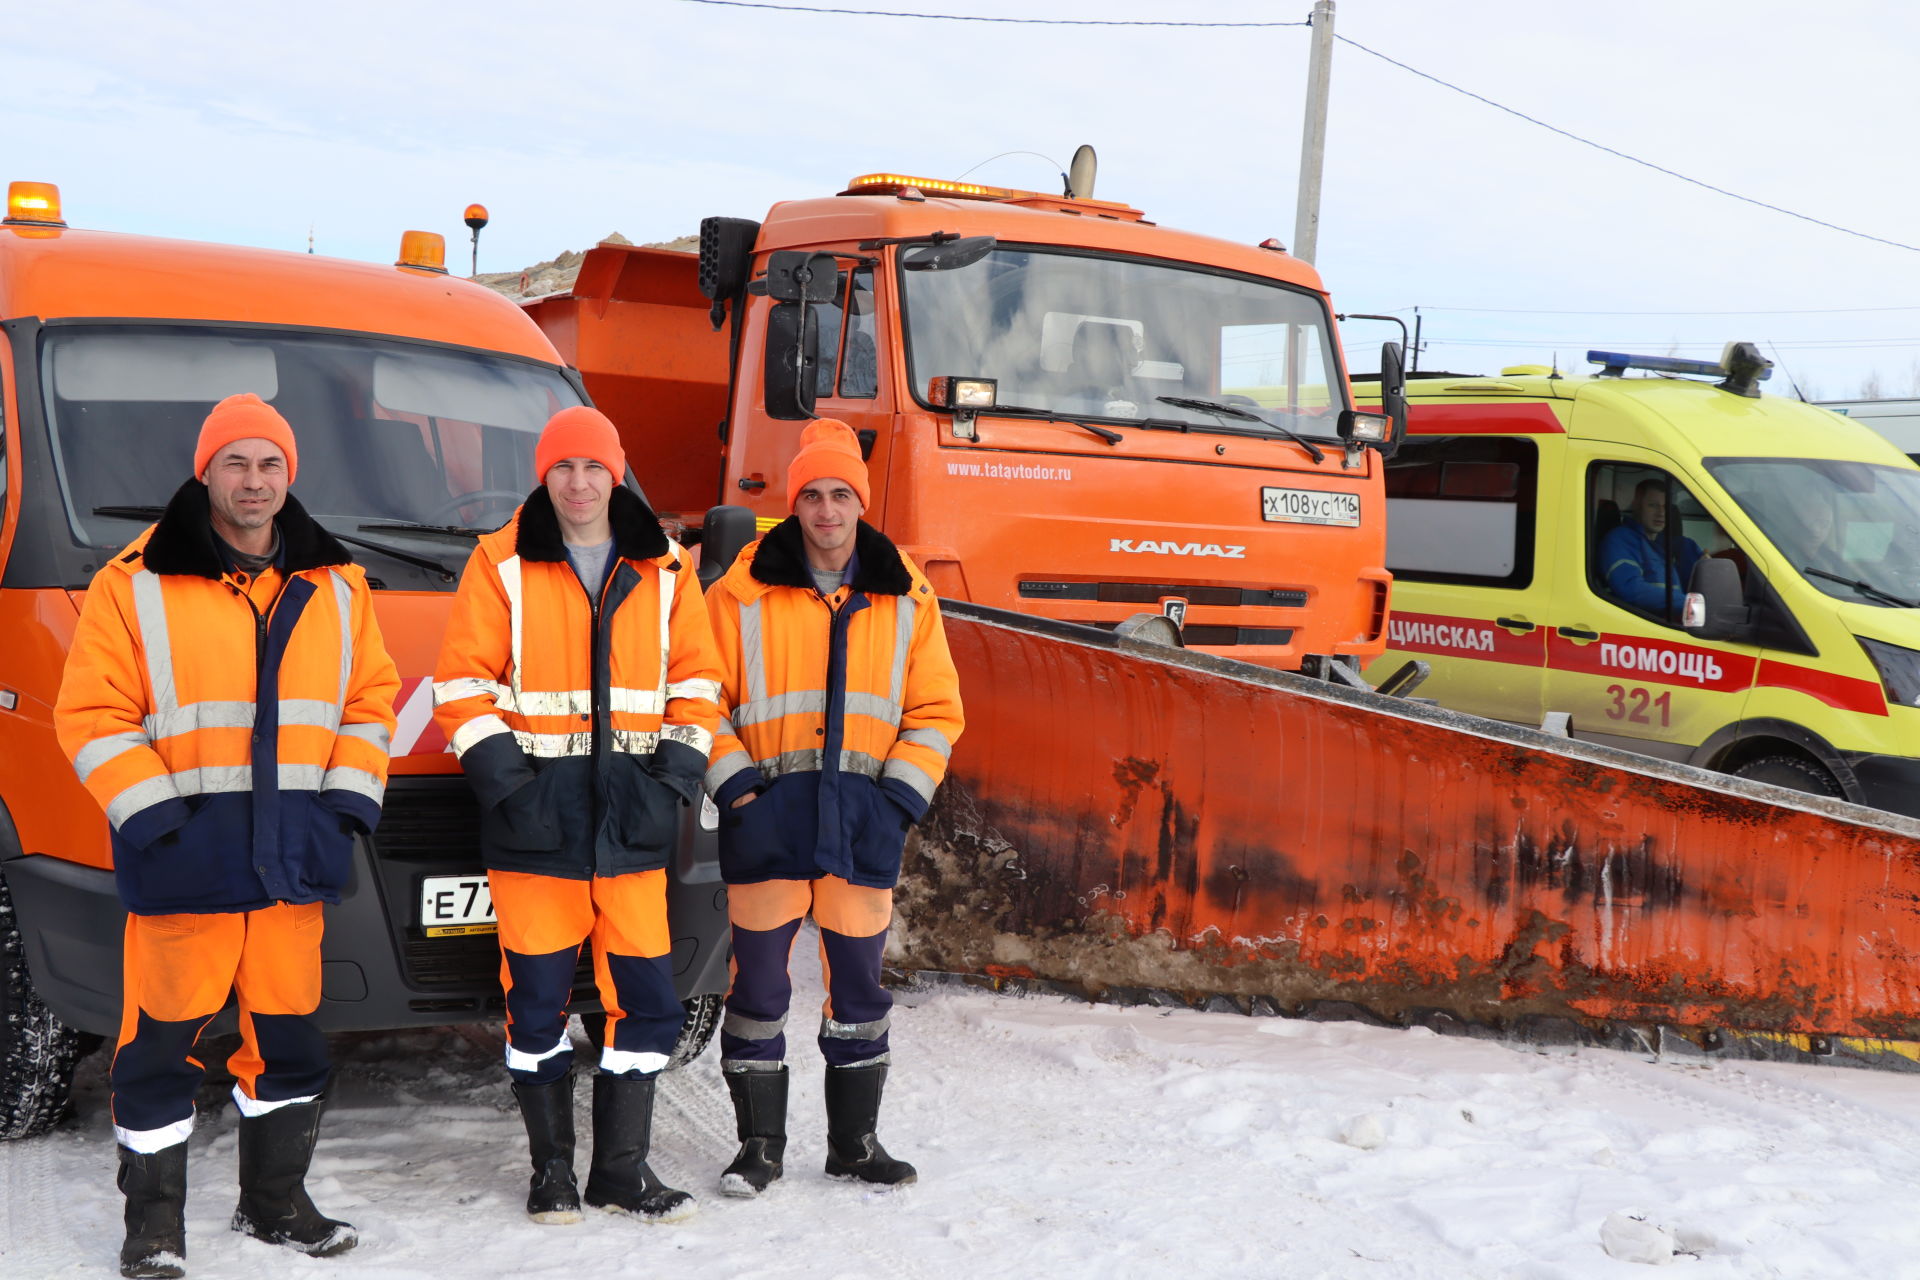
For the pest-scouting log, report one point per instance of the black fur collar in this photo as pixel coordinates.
(781, 560)
(636, 530)
(182, 542)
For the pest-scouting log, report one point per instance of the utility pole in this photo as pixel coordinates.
(1313, 141)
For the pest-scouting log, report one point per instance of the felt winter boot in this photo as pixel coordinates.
(275, 1151)
(553, 1198)
(760, 1118)
(619, 1179)
(155, 1185)
(853, 1113)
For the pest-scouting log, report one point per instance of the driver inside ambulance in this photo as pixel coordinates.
(1639, 559)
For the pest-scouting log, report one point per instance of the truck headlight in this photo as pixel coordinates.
(1899, 670)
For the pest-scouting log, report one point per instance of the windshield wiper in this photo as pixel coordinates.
(131, 513)
(415, 526)
(1111, 437)
(405, 557)
(1225, 410)
(1864, 588)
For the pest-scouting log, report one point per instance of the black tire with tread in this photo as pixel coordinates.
(38, 1052)
(703, 1019)
(1796, 773)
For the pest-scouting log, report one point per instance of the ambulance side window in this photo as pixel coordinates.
(1645, 533)
(1462, 509)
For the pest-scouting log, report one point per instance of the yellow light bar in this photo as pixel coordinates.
(423, 251)
(34, 204)
(892, 183)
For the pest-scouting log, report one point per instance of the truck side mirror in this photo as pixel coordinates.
(794, 275)
(724, 534)
(1715, 607)
(1393, 395)
(791, 369)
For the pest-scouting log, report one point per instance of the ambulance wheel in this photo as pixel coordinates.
(1795, 773)
(38, 1052)
(696, 1033)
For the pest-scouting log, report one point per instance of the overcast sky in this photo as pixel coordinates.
(254, 123)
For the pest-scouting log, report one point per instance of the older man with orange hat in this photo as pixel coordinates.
(228, 700)
(842, 706)
(577, 684)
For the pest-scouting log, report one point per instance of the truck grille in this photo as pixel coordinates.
(1150, 593)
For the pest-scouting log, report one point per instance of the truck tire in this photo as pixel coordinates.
(38, 1052)
(696, 1033)
(1796, 773)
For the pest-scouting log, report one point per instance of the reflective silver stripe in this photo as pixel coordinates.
(874, 706)
(378, 735)
(554, 702)
(476, 730)
(518, 1061)
(101, 750)
(150, 609)
(638, 742)
(861, 763)
(148, 1141)
(748, 1066)
(621, 1061)
(199, 715)
(555, 746)
(689, 735)
(310, 712)
(931, 739)
(913, 775)
(902, 644)
(728, 765)
(668, 579)
(466, 687)
(300, 777)
(347, 778)
(725, 726)
(642, 701)
(708, 689)
(141, 795)
(251, 1107)
(510, 583)
(747, 1029)
(831, 1030)
(751, 654)
(799, 702)
(343, 601)
(807, 761)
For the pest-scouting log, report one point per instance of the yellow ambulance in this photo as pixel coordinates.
(1661, 558)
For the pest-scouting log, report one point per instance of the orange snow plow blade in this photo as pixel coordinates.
(1147, 820)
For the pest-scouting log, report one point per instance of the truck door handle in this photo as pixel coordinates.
(752, 484)
(1579, 635)
(1514, 624)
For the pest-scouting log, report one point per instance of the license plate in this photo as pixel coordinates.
(454, 905)
(1310, 506)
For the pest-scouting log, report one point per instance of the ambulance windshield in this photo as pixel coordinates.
(1851, 529)
(390, 434)
(1107, 338)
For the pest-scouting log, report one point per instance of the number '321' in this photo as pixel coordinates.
(1636, 705)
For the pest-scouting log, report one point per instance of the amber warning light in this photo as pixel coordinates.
(423, 251)
(33, 204)
(475, 218)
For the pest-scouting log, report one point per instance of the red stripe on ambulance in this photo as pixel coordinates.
(1464, 638)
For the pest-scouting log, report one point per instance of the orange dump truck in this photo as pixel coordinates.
(1068, 411)
(417, 399)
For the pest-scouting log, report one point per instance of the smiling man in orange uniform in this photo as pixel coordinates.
(842, 709)
(228, 700)
(577, 684)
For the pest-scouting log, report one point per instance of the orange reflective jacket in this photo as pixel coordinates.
(234, 729)
(582, 721)
(841, 711)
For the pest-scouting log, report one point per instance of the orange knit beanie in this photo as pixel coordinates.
(828, 450)
(579, 432)
(243, 417)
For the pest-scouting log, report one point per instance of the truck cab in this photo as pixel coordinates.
(1068, 411)
(416, 399)
(1653, 561)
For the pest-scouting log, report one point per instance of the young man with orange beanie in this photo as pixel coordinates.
(578, 685)
(228, 700)
(841, 708)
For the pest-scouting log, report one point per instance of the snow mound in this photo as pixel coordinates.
(1629, 1237)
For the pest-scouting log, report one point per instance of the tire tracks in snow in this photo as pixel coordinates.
(32, 1201)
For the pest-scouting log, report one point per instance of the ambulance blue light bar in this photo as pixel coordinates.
(1616, 363)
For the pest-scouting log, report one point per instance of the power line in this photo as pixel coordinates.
(1530, 311)
(1671, 173)
(974, 17)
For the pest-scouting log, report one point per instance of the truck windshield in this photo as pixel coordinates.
(391, 434)
(1851, 529)
(1086, 336)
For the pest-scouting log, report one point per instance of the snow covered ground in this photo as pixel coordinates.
(1061, 1140)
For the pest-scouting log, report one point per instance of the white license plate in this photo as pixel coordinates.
(455, 905)
(1310, 506)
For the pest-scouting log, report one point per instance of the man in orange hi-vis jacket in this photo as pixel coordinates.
(228, 700)
(578, 684)
(842, 708)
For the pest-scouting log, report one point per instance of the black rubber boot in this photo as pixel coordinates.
(619, 1180)
(155, 1185)
(553, 1199)
(275, 1150)
(760, 1118)
(853, 1113)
